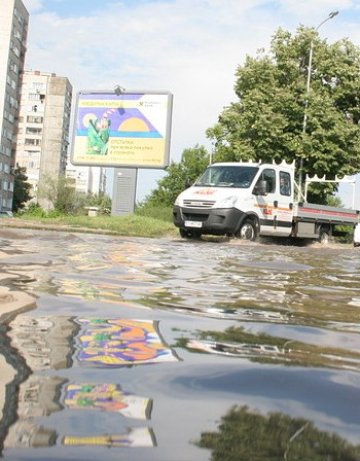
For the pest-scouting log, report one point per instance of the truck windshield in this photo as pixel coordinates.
(227, 176)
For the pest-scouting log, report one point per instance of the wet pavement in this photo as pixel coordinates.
(119, 348)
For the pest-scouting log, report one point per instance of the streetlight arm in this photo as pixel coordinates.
(331, 15)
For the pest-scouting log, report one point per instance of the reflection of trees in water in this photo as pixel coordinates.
(246, 436)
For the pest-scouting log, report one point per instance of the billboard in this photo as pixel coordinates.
(128, 129)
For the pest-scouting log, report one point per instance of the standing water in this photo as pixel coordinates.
(168, 350)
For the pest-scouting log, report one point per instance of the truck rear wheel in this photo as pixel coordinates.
(247, 231)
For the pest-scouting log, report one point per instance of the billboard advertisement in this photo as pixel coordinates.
(128, 129)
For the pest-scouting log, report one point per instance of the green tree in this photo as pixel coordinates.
(266, 122)
(179, 175)
(57, 193)
(21, 189)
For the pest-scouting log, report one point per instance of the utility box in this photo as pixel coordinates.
(124, 191)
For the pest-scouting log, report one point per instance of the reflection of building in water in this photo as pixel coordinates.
(38, 396)
(48, 343)
(25, 434)
(136, 437)
(45, 343)
(106, 397)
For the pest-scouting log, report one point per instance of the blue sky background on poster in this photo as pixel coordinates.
(189, 47)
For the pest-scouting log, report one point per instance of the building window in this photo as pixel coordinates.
(34, 97)
(38, 86)
(14, 67)
(32, 142)
(32, 130)
(34, 119)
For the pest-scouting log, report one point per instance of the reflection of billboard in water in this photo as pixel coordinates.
(27, 434)
(131, 129)
(106, 397)
(54, 343)
(40, 396)
(117, 342)
(136, 437)
(62, 342)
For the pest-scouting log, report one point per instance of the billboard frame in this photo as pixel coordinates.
(147, 112)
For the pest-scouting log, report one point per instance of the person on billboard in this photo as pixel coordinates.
(98, 136)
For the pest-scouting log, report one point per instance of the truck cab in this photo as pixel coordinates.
(238, 199)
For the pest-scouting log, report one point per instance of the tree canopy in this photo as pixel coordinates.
(193, 163)
(267, 121)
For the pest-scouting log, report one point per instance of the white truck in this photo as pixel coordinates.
(252, 199)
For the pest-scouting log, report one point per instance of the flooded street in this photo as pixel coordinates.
(119, 348)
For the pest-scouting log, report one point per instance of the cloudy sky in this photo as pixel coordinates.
(188, 47)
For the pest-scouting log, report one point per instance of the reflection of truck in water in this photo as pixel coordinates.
(247, 200)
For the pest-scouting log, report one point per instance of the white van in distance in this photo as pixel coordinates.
(357, 236)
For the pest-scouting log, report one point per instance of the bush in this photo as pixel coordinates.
(156, 212)
(34, 210)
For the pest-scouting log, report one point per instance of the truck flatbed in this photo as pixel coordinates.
(323, 213)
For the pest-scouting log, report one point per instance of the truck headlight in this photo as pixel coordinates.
(178, 201)
(227, 202)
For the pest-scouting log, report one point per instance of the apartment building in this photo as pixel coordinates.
(14, 20)
(87, 179)
(43, 131)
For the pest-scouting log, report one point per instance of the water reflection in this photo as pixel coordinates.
(114, 342)
(238, 342)
(26, 434)
(44, 342)
(106, 397)
(55, 343)
(245, 435)
(271, 327)
(41, 396)
(135, 437)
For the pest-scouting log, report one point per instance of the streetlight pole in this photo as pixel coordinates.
(311, 52)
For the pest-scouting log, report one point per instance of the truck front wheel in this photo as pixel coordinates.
(189, 234)
(247, 231)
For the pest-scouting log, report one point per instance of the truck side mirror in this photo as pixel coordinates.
(260, 188)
